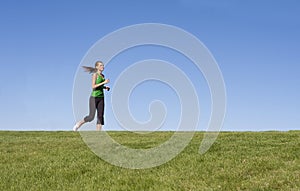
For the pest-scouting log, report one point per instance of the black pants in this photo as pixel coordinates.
(96, 103)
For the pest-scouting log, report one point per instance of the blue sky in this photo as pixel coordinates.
(255, 43)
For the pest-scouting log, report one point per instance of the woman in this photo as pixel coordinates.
(96, 101)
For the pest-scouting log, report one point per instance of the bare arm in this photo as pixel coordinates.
(94, 85)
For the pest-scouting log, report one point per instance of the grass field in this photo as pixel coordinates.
(236, 161)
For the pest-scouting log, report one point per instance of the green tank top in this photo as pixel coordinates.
(98, 92)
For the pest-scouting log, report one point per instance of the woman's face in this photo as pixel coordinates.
(100, 67)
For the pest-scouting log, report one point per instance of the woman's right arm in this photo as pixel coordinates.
(94, 85)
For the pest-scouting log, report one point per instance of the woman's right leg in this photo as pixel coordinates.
(90, 117)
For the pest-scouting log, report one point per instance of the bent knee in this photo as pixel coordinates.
(88, 119)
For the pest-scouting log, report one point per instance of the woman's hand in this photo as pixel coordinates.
(106, 81)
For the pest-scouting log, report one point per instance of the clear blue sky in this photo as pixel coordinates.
(256, 44)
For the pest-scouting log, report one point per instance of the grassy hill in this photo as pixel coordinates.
(236, 161)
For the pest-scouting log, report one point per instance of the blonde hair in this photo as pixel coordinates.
(91, 69)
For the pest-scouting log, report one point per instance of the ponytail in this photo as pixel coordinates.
(89, 69)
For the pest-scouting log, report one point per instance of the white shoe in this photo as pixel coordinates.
(75, 128)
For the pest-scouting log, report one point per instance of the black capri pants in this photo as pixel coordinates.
(96, 103)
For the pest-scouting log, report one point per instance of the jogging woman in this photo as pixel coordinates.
(96, 101)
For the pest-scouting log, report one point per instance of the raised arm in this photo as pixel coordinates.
(94, 85)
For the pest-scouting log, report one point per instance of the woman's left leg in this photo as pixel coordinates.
(100, 113)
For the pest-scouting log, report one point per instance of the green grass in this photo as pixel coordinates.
(236, 161)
